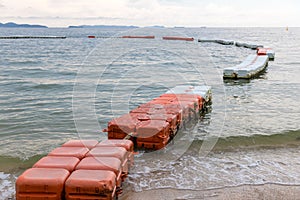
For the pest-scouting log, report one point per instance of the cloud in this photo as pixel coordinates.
(153, 12)
(2, 5)
(60, 18)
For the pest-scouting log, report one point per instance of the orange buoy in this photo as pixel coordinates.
(127, 144)
(102, 163)
(139, 37)
(114, 152)
(79, 169)
(153, 134)
(41, 183)
(91, 184)
(106, 151)
(120, 127)
(81, 143)
(266, 51)
(60, 162)
(178, 38)
(78, 152)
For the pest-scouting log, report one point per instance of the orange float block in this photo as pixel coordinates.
(185, 111)
(188, 107)
(157, 109)
(152, 108)
(41, 183)
(160, 101)
(152, 145)
(162, 97)
(178, 38)
(261, 51)
(194, 104)
(127, 144)
(187, 97)
(91, 184)
(173, 109)
(266, 51)
(146, 110)
(115, 152)
(155, 131)
(170, 118)
(81, 143)
(140, 116)
(120, 127)
(103, 163)
(172, 95)
(68, 163)
(139, 110)
(78, 152)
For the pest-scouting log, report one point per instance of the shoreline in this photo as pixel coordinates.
(267, 191)
(245, 192)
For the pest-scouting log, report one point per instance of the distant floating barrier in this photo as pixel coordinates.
(238, 44)
(223, 42)
(203, 40)
(139, 36)
(251, 67)
(178, 38)
(91, 36)
(249, 46)
(33, 37)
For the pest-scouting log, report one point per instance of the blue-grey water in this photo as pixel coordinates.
(54, 90)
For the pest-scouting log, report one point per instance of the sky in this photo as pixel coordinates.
(188, 13)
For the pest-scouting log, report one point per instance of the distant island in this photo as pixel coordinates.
(103, 26)
(14, 25)
(155, 26)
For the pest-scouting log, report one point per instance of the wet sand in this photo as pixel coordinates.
(245, 192)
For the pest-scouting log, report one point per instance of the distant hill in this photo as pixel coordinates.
(102, 26)
(155, 26)
(14, 25)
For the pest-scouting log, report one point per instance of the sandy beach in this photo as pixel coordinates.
(246, 192)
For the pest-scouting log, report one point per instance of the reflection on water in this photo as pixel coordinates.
(231, 82)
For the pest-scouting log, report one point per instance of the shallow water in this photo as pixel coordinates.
(218, 170)
(55, 90)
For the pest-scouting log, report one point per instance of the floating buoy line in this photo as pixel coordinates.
(33, 37)
(89, 169)
(252, 66)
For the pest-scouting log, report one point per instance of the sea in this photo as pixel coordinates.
(54, 90)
